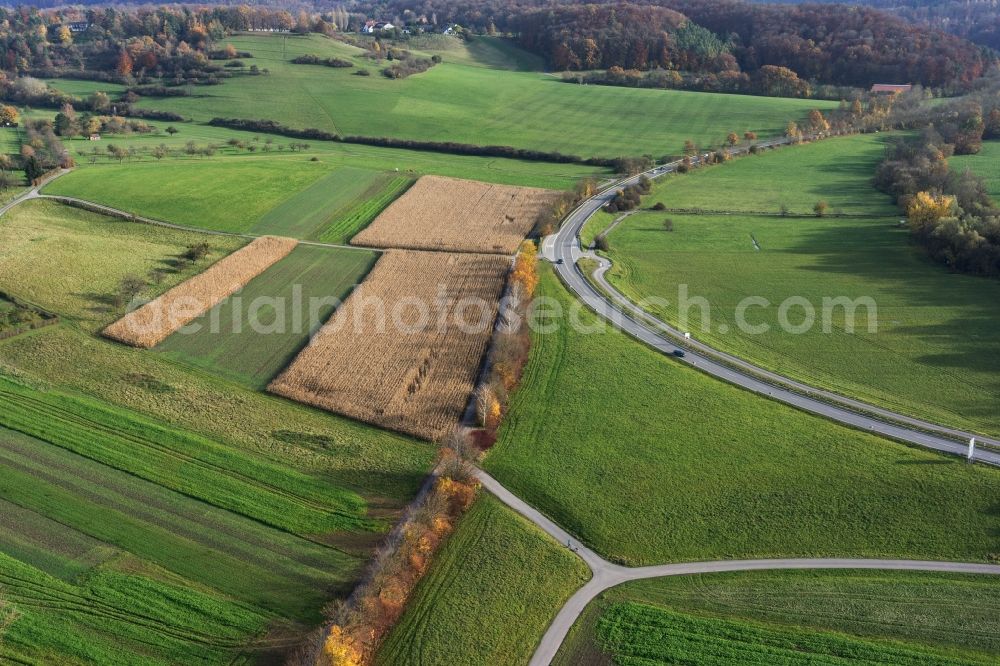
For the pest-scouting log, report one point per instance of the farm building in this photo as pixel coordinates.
(372, 27)
(891, 88)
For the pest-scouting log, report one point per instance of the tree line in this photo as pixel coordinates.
(621, 164)
(950, 214)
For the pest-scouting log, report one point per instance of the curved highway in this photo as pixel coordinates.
(563, 249)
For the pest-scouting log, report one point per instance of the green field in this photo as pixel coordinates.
(838, 171)
(98, 499)
(288, 302)
(489, 596)
(236, 193)
(986, 165)
(473, 104)
(71, 261)
(350, 221)
(152, 512)
(10, 140)
(384, 467)
(891, 617)
(649, 461)
(320, 209)
(935, 352)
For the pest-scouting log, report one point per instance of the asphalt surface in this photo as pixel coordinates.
(563, 248)
(606, 575)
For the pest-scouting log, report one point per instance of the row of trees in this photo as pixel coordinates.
(950, 214)
(769, 80)
(356, 627)
(510, 345)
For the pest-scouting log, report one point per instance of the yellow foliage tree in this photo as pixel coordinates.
(339, 649)
(526, 267)
(925, 210)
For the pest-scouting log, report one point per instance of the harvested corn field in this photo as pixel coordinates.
(458, 215)
(404, 349)
(152, 323)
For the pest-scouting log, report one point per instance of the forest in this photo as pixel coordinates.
(826, 44)
(976, 20)
(725, 44)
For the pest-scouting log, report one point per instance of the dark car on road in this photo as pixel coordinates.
(679, 353)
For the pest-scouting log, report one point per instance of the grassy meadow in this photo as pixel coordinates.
(886, 616)
(252, 191)
(289, 302)
(489, 595)
(649, 461)
(934, 351)
(985, 164)
(467, 102)
(71, 261)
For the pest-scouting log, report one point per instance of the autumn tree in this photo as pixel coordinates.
(926, 210)
(9, 115)
(792, 131)
(339, 649)
(817, 123)
(991, 130)
(525, 272)
(99, 102)
(125, 64)
(65, 123)
(750, 137)
(732, 138)
(820, 208)
(690, 148)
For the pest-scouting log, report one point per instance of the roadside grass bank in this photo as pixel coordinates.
(659, 465)
(940, 618)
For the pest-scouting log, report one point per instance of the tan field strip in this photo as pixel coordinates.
(152, 323)
(404, 349)
(458, 215)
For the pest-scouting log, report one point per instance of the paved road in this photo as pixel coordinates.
(564, 246)
(607, 575)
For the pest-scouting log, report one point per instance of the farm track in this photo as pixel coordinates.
(607, 575)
